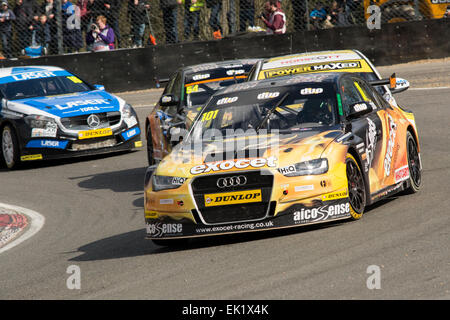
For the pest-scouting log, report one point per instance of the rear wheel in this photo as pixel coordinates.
(415, 170)
(356, 188)
(10, 147)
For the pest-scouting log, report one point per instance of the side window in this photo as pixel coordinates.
(365, 91)
(375, 96)
(350, 94)
(176, 89)
(381, 100)
(169, 86)
(369, 76)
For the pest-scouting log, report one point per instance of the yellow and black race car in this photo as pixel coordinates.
(325, 61)
(283, 152)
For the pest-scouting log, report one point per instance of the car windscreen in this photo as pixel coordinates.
(201, 85)
(282, 108)
(40, 87)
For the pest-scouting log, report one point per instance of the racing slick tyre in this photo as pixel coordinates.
(151, 160)
(10, 147)
(415, 170)
(399, 13)
(171, 243)
(356, 188)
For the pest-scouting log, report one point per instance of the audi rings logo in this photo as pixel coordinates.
(93, 121)
(231, 181)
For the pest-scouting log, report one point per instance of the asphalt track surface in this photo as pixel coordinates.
(93, 209)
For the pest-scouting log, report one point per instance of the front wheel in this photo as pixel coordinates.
(10, 147)
(356, 188)
(415, 170)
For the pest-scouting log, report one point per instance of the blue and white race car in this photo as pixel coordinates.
(49, 113)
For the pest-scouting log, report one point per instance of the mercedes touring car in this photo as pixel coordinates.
(283, 152)
(49, 113)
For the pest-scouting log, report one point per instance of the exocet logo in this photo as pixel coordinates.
(226, 100)
(401, 174)
(231, 164)
(390, 146)
(322, 213)
(303, 59)
(371, 141)
(159, 229)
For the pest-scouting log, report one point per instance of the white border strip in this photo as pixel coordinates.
(35, 223)
(431, 88)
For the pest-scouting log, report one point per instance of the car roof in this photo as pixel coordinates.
(311, 57)
(218, 64)
(324, 77)
(6, 72)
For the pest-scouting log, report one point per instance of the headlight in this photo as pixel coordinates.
(129, 115)
(43, 122)
(316, 166)
(166, 182)
(128, 111)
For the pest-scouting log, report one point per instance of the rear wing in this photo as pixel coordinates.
(396, 85)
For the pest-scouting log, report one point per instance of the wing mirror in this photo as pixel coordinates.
(358, 109)
(99, 87)
(168, 100)
(400, 85)
(396, 85)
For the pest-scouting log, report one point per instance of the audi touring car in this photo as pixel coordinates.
(185, 93)
(49, 113)
(283, 152)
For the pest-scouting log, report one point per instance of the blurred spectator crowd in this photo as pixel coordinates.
(38, 27)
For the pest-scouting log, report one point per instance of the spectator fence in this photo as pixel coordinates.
(40, 27)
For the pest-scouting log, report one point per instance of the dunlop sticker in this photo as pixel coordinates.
(227, 198)
(31, 157)
(335, 195)
(95, 133)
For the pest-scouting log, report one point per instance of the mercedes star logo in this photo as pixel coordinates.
(93, 121)
(231, 181)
